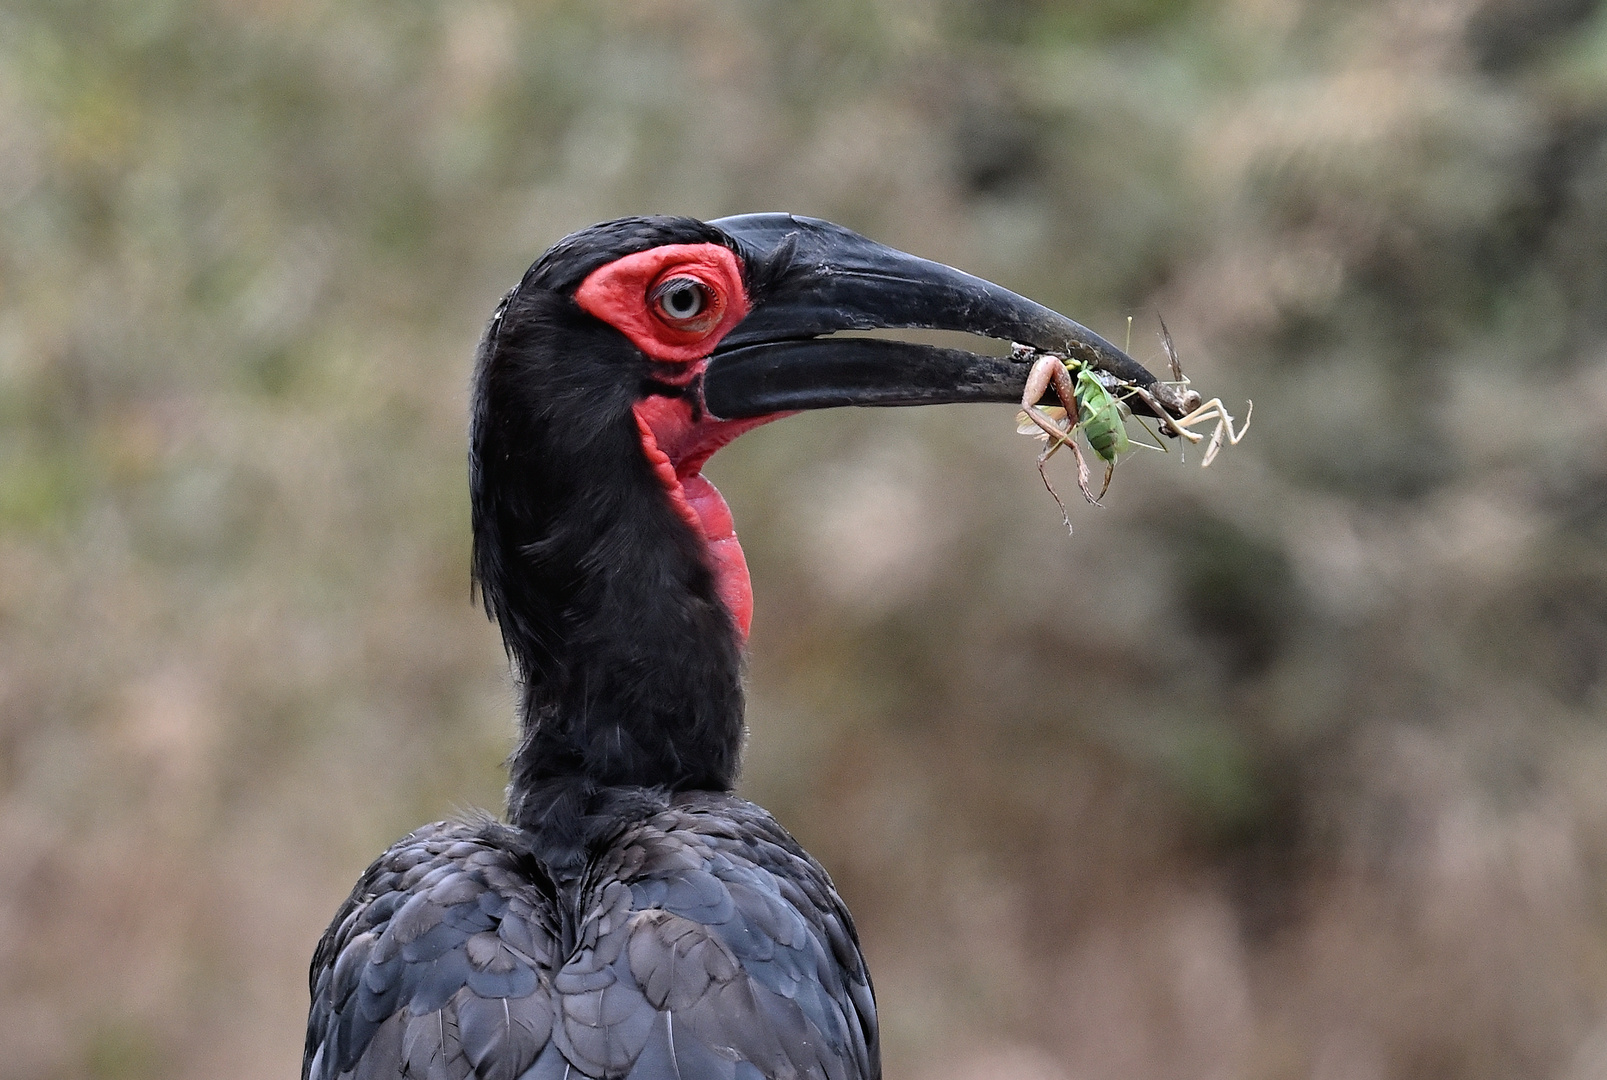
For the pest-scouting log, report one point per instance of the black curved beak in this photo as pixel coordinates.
(809, 278)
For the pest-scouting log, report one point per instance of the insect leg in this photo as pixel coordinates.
(1175, 427)
(1043, 474)
(1083, 475)
(1215, 444)
(1046, 370)
(1224, 426)
(1067, 391)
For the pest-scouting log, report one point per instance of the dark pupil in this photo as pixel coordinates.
(683, 300)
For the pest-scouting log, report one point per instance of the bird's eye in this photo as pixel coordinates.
(674, 302)
(680, 299)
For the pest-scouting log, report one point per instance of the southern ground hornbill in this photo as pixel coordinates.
(633, 918)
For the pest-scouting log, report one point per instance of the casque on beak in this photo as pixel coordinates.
(813, 278)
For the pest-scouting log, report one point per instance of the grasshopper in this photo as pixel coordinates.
(1096, 402)
(1097, 411)
(1194, 413)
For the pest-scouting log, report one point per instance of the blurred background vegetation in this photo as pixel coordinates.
(1292, 768)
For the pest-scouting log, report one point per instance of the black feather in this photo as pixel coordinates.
(765, 987)
(633, 919)
(629, 662)
(501, 1037)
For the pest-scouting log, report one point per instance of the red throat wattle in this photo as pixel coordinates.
(676, 447)
(629, 294)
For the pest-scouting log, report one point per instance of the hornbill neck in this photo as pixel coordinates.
(631, 351)
(628, 662)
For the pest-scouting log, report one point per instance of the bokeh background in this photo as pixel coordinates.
(1295, 767)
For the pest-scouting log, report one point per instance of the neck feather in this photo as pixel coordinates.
(628, 662)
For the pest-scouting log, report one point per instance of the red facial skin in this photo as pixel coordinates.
(622, 294)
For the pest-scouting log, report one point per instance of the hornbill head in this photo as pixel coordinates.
(632, 351)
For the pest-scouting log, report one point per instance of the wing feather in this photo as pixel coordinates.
(701, 944)
(501, 1036)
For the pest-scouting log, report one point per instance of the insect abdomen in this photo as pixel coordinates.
(1101, 418)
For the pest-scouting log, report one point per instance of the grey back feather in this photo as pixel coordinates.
(701, 943)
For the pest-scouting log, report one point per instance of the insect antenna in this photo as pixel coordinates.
(1129, 414)
(1151, 432)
